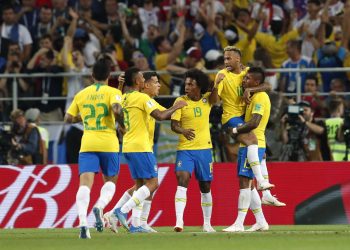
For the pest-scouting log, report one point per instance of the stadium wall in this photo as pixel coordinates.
(44, 196)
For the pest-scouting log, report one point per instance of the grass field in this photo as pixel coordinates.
(278, 237)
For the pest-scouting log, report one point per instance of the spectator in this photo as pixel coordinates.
(32, 115)
(15, 32)
(28, 15)
(111, 17)
(140, 61)
(194, 59)
(263, 59)
(148, 15)
(288, 82)
(45, 87)
(317, 102)
(26, 143)
(44, 24)
(301, 136)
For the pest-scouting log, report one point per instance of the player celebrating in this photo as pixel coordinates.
(98, 106)
(194, 148)
(137, 148)
(228, 85)
(256, 118)
(140, 213)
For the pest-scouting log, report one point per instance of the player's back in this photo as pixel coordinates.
(137, 108)
(230, 91)
(260, 104)
(95, 107)
(194, 116)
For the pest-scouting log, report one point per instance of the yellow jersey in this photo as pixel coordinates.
(230, 91)
(161, 63)
(195, 116)
(152, 124)
(261, 105)
(277, 48)
(137, 108)
(94, 103)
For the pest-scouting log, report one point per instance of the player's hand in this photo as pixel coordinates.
(302, 119)
(189, 134)
(180, 104)
(219, 78)
(121, 81)
(246, 96)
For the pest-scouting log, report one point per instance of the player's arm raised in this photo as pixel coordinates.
(188, 133)
(214, 95)
(247, 127)
(166, 114)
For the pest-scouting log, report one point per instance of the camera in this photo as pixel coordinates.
(293, 112)
(5, 142)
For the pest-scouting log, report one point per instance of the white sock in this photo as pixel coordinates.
(106, 194)
(145, 212)
(243, 205)
(136, 215)
(254, 162)
(137, 198)
(255, 206)
(207, 206)
(83, 200)
(180, 204)
(264, 172)
(125, 197)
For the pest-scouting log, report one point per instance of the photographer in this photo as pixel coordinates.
(300, 134)
(27, 147)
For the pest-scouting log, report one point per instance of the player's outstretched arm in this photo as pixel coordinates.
(68, 118)
(261, 88)
(166, 114)
(247, 127)
(188, 133)
(119, 115)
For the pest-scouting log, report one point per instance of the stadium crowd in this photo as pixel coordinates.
(70, 35)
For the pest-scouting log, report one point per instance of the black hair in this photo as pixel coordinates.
(7, 7)
(257, 71)
(46, 36)
(130, 76)
(101, 70)
(334, 104)
(157, 42)
(312, 77)
(316, 2)
(116, 33)
(295, 44)
(239, 10)
(149, 74)
(201, 78)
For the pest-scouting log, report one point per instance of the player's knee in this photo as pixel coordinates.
(204, 187)
(249, 139)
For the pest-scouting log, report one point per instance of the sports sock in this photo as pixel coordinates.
(207, 206)
(137, 198)
(83, 200)
(136, 215)
(254, 162)
(145, 212)
(255, 206)
(106, 194)
(180, 204)
(264, 172)
(243, 205)
(125, 197)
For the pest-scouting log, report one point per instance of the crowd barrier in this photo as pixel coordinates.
(44, 196)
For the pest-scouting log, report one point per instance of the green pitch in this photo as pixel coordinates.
(278, 237)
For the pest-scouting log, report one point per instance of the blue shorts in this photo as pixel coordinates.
(93, 161)
(142, 165)
(199, 160)
(243, 168)
(234, 122)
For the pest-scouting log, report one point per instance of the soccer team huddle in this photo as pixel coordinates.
(108, 114)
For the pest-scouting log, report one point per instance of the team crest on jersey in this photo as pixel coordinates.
(205, 100)
(179, 164)
(257, 107)
(118, 98)
(150, 104)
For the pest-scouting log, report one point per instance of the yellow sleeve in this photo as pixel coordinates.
(116, 96)
(161, 61)
(73, 108)
(177, 114)
(242, 44)
(220, 86)
(222, 40)
(293, 34)
(258, 105)
(265, 40)
(148, 104)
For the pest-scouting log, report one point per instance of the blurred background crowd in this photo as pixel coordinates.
(172, 36)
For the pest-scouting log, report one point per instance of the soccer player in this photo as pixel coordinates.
(98, 106)
(228, 86)
(256, 117)
(194, 148)
(137, 148)
(140, 213)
